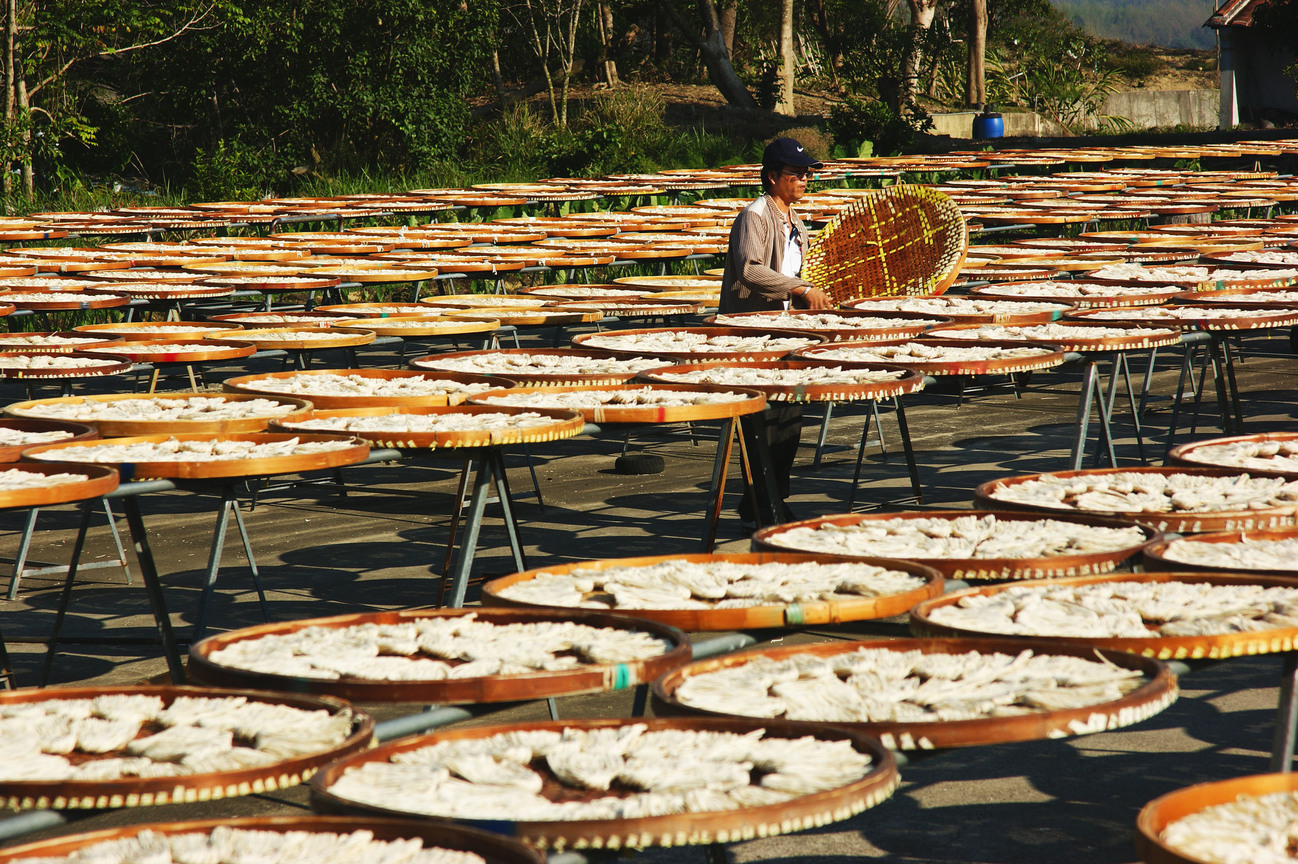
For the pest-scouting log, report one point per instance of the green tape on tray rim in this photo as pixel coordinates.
(621, 676)
(793, 614)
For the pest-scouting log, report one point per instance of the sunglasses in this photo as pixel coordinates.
(804, 174)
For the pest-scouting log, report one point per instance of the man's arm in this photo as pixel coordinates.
(751, 241)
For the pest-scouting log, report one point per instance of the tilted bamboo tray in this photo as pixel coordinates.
(1158, 691)
(563, 424)
(587, 678)
(899, 240)
(11, 452)
(725, 826)
(1186, 454)
(200, 469)
(585, 341)
(105, 364)
(495, 849)
(909, 382)
(1053, 567)
(1221, 646)
(122, 428)
(100, 480)
(1051, 356)
(139, 791)
(753, 403)
(1161, 812)
(1155, 554)
(773, 615)
(1181, 523)
(245, 384)
(903, 326)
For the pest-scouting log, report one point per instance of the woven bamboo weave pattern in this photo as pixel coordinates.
(900, 240)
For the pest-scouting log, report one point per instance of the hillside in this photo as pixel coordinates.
(1168, 23)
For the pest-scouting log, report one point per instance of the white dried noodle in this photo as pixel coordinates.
(810, 376)
(671, 771)
(881, 685)
(11, 437)
(123, 735)
(687, 342)
(1260, 455)
(1049, 333)
(1252, 829)
(912, 352)
(615, 398)
(51, 361)
(710, 585)
(1124, 610)
(160, 410)
(13, 479)
(964, 306)
(332, 384)
(226, 845)
(424, 423)
(435, 649)
(539, 364)
(971, 536)
(1250, 553)
(1149, 492)
(819, 321)
(203, 450)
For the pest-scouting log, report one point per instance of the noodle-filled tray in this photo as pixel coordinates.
(732, 591)
(794, 380)
(28, 485)
(616, 784)
(964, 544)
(1272, 552)
(1184, 500)
(542, 367)
(1080, 294)
(445, 427)
(1188, 316)
(700, 343)
(152, 331)
(69, 364)
(120, 415)
(1244, 819)
(178, 350)
(1268, 454)
(350, 388)
(1070, 336)
(57, 342)
(928, 694)
(194, 456)
(1164, 615)
(450, 656)
(279, 840)
(426, 325)
(307, 338)
(840, 325)
(110, 747)
(633, 403)
(19, 434)
(966, 310)
(943, 356)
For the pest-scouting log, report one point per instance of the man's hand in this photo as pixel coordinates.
(811, 298)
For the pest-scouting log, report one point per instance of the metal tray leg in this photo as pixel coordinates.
(717, 488)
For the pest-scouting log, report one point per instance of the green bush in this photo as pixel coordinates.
(855, 122)
(227, 173)
(816, 142)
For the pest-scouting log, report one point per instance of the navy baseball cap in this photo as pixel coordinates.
(786, 151)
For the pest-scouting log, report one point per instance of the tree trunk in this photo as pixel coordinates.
(604, 15)
(495, 74)
(976, 82)
(784, 83)
(833, 51)
(922, 13)
(11, 104)
(24, 109)
(713, 48)
(729, 14)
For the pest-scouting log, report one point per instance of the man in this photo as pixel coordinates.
(767, 244)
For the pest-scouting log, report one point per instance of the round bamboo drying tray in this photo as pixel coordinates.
(669, 283)
(1260, 319)
(585, 340)
(525, 378)
(587, 678)
(1050, 356)
(1052, 567)
(1158, 691)
(263, 320)
(99, 481)
(488, 303)
(1079, 300)
(417, 325)
(1155, 816)
(84, 342)
(374, 310)
(1181, 523)
(564, 424)
(1136, 338)
(105, 364)
(1009, 317)
(63, 301)
(310, 338)
(270, 282)
(186, 788)
(549, 317)
(142, 331)
(1156, 559)
(909, 382)
(1260, 298)
(178, 350)
(773, 615)
(904, 325)
(644, 307)
(616, 413)
(1220, 646)
(203, 469)
(495, 849)
(1185, 454)
(124, 428)
(672, 830)
(248, 384)
(20, 425)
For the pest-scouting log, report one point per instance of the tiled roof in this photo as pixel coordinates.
(1234, 13)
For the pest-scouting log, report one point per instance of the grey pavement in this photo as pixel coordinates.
(382, 546)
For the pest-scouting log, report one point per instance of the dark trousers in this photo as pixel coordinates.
(783, 431)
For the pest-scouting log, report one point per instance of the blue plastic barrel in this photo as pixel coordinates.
(988, 125)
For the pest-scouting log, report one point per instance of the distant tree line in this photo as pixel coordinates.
(1169, 23)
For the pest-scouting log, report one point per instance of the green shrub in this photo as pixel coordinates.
(229, 172)
(816, 142)
(855, 122)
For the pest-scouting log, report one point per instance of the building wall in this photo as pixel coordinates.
(1165, 108)
(1258, 75)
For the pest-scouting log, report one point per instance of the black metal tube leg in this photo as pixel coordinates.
(1286, 717)
(65, 596)
(904, 429)
(149, 572)
(468, 545)
(507, 508)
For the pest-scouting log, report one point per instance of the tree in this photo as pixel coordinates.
(712, 46)
(922, 13)
(553, 27)
(976, 83)
(784, 85)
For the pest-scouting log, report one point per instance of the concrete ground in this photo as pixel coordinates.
(382, 546)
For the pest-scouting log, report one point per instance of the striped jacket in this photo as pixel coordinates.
(753, 281)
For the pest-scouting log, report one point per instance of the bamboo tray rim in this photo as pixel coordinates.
(755, 402)
(102, 479)
(566, 425)
(1162, 811)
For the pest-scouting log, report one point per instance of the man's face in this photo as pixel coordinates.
(789, 184)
